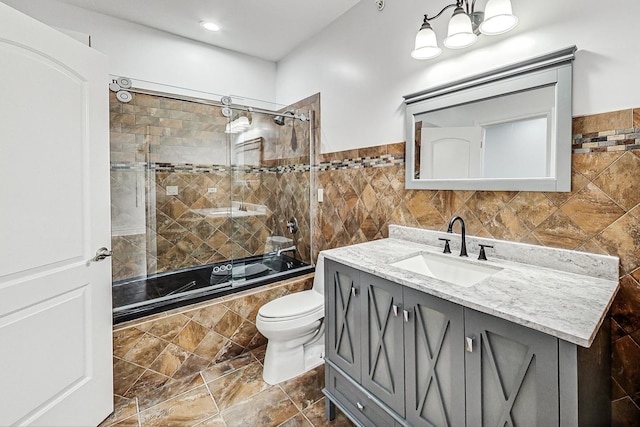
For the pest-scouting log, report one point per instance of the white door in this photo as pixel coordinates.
(451, 153)
(55, 304)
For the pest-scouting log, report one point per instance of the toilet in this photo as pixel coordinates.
(294, 327)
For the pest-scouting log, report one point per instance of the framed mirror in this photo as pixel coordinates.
(509, 129)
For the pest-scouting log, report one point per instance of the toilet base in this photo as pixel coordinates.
(282, 362)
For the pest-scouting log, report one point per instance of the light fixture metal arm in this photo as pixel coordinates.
(473, 7)
(444, 9)
(458, 3)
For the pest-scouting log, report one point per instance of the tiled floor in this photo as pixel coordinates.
(231, 393)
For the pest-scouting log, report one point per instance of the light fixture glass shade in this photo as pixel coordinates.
(426, 46)
(238, 125)
(498, 18)
(460, 34)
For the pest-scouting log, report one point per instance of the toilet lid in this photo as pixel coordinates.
(293, 305)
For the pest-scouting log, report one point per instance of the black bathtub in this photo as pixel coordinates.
(135, 298)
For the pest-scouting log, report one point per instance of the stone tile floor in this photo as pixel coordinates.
(231, 393)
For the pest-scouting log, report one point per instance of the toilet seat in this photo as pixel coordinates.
(293, 306)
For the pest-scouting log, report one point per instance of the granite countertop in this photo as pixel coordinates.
(562, 293)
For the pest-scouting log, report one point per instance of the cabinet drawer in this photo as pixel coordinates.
(356, 401)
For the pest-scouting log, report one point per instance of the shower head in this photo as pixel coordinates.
(279, 120)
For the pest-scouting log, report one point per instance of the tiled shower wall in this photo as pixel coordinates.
(364, 192)
(291, 158)
(187, 145)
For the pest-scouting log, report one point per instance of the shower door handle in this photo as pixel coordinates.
(101, 254)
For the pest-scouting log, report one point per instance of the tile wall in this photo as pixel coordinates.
(364, 192)
(186, 146)
(182, 352)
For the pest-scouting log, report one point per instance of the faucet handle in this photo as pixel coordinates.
(482, 256)
(447, 249)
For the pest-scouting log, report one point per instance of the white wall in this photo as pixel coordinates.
(362, 67)
(361, 63)
(142, 53)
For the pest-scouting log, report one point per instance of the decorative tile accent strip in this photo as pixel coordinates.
(291, 168)
(610, 140)
(195, 168)
(363, 162)
(133, 166)
(355, 163)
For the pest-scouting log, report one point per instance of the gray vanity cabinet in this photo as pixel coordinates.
(342, 314)
(399, 357)
(435, 378)
(409, 372)
(382, 341)
(355, 354)
(511, 373)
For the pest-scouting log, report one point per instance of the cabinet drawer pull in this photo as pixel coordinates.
(405, 314)
(354, 291)
(360, 406)
(395, 310)
(468, 344)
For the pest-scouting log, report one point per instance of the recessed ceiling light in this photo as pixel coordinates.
(210, 26)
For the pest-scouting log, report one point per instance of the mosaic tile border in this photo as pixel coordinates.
(352, 163)
(363, 162)
(196, 168)
(293, 168)
(607, 141)
(137, 166)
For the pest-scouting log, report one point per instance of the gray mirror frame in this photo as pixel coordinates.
(550, 69)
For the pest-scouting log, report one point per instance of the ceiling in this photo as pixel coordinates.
(267, 29)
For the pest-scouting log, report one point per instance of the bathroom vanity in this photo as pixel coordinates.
(520, 339)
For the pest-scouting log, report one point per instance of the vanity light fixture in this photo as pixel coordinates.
(464, 26)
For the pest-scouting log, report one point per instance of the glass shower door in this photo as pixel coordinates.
(270, 192)
(205, 195)
(171, 192)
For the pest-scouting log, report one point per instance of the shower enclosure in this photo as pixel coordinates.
(209, 197)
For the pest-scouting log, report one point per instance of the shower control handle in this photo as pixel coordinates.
(101, 254)
(292, 225)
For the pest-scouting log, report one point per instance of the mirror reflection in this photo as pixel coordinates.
(502, 137)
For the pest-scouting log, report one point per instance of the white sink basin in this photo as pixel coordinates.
(448, 268)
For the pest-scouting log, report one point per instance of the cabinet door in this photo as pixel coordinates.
(382, 341)
(342, 302)
(512, 374)
(434, 343)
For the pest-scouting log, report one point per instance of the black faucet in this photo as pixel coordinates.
(463, 246)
